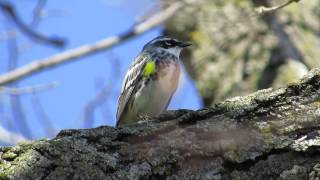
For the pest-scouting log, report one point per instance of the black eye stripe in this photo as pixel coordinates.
(173, 42)
(167, 43)
(170, 42)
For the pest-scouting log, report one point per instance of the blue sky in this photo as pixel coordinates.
(82, 22)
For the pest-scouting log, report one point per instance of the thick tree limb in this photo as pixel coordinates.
(267, 135)
(89, 49)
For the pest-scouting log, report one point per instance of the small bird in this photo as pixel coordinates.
(150, 81)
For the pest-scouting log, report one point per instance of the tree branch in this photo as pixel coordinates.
(103, 93)
(43, 117)
(265, 135)
(37, 12)
(7, 9)
(89, 49)
(288, 48)
(17, 110)
(28, 90)
(263, 9)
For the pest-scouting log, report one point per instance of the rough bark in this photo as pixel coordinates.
(266, 135)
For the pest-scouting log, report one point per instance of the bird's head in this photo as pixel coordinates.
(163, 43)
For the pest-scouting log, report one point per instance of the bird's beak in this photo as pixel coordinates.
(184, 44)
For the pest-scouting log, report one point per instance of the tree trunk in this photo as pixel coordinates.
(266, 135)
(235, 52)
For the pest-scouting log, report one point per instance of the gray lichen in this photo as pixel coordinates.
(266, 135)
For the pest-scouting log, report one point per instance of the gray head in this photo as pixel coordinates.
(168, 44)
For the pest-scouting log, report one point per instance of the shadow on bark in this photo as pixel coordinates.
(266, 135)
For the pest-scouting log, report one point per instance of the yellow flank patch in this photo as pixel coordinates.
(149, 69)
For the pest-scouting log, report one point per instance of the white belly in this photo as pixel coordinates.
(154, 97)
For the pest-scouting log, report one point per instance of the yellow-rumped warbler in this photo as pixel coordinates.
(150, 81)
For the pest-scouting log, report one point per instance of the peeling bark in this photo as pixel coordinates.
(271, 134)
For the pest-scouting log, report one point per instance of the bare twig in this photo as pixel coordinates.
(28, 90)
(18, 115)
(104, 93)
(11, 13)
(4, 36)
(288, 48)
(264, 9)
(42, 116)
(37, 12)
(149, 11)
(89, 49)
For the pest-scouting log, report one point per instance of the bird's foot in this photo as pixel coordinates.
(143, 118)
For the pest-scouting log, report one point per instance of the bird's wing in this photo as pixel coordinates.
(133, 75)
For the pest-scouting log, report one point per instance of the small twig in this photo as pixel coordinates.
(29, 90)
(149, 11)
(4, 36)
(37, 12)
(263, 9)
(19, 117)
(89, 49)
(42, 116)
(11, 13)
(104, 93)
(288, 48)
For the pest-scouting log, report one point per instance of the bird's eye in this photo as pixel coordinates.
(167, 43)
